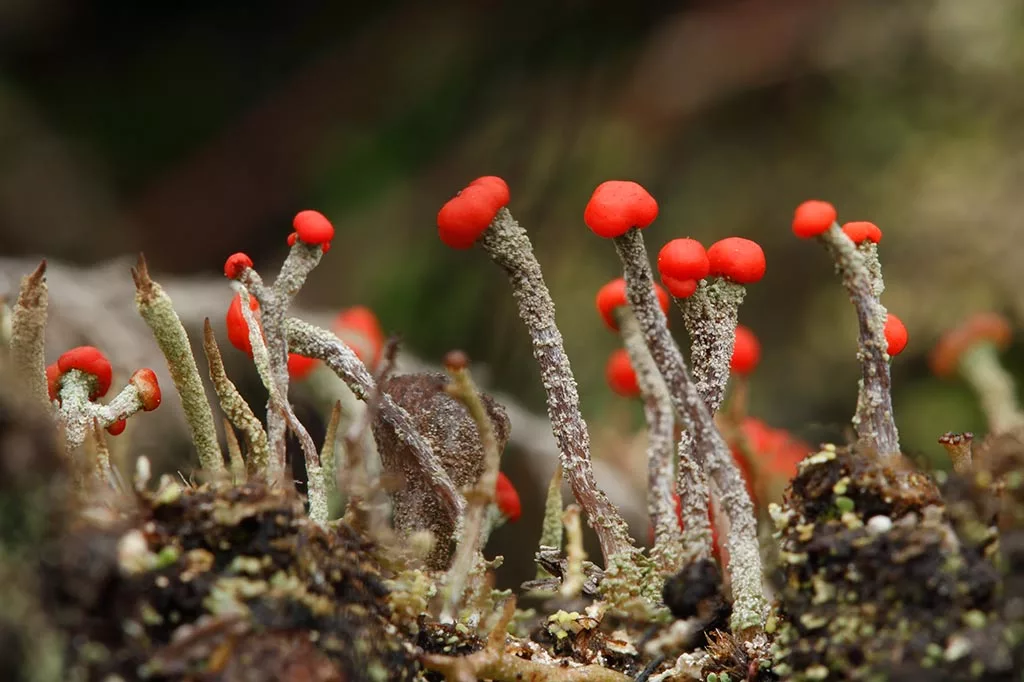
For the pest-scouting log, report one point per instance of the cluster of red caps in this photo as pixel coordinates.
(462, 220)
(358, 325)
(90, 360)
(814, 218)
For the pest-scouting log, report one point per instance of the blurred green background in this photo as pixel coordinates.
(190, 130)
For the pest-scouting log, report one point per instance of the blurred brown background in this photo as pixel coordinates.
(190, 130)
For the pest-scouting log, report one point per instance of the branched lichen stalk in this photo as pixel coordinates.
(237, 411)
(480, 497)
(661, 423)
(157, 311)
(509, 246)
(279, 403)
(28, 336)
(314, 342)
(874, 421)
(81, 413)
(745, 569)
(551, 530)
(274, 303)
(994, 386)
(76, 411)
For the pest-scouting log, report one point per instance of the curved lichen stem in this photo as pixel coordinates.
(314, 342)
(28, 336)
(749, 606)
(509, 246)
(660, 416)
(236, 409)
(157, 310)
(873, 421)
(479, 498)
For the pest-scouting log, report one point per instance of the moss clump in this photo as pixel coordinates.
(234, 581)
(887, 583)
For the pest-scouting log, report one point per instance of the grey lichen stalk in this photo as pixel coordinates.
(694, 498)
(279, 404)
(509, 246)
(711, 314)
(749, 606)
(314, 342)
(76, 412)
(157, 311)
(667, 552)
(873, 421)
(869, 250)
(237, 411)
(28, 332)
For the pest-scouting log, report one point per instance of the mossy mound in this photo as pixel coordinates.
(879, 580)
(227, 583)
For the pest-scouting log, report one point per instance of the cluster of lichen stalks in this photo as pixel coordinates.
(442, 440)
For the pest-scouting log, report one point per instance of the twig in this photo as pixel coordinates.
(493, 663)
